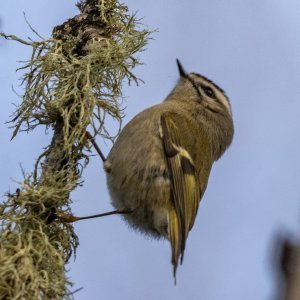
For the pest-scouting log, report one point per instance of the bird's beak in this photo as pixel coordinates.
(181, 69)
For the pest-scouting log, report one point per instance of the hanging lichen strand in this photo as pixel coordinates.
(72, 81)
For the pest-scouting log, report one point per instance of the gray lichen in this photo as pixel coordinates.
(72, 82)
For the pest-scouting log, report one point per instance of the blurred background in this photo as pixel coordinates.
(251, 49)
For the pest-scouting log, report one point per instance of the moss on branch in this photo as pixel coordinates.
(72, 81)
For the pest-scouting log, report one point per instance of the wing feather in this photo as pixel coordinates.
(185, 187)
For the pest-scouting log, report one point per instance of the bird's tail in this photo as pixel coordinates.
(175, 238)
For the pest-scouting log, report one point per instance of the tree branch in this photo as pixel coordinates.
(72, 81)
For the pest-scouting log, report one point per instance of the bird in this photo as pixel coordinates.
(159, 166)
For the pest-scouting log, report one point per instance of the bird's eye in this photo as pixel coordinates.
(209, 92)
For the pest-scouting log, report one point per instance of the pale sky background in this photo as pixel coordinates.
(251, 48)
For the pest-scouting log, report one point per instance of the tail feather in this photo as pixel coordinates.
(175, 237)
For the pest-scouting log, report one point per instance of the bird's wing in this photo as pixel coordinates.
(184, 184)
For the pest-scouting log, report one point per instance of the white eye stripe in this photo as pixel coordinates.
(225, 102)
(218, 92)
(220, 97)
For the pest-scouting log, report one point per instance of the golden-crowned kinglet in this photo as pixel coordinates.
(159, 166)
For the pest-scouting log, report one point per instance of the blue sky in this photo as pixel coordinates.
(251, 49)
